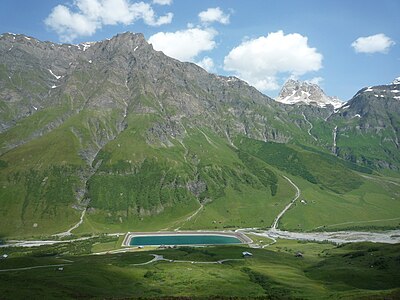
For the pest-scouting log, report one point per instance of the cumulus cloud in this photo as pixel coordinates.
(207, 64)
(162, 2)
(86, 16)
(259, 61)
(214, 15)
(186, 44)
(70, 25)
(378, 43)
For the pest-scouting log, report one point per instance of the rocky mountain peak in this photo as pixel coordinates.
(374, 105)
(128, 38)
(126, 42)
(396, 80)
(306, 93)
(387, 91)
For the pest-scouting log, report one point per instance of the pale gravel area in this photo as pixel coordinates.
(22, 243)
(338, 237)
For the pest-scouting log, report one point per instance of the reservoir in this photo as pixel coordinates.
(183, 239)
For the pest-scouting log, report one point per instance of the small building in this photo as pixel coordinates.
(60, 269)
(247, 254)
(4, 256)
(298, 254)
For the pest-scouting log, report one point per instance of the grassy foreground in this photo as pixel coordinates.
(356, 271)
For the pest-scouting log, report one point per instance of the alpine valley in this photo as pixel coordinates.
(112, 136)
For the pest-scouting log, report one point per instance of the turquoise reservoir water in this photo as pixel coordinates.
(155, 240)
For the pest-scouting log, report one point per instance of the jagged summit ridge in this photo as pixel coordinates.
(396, 80)
(123, 73)
(298, 92)
(387, 91)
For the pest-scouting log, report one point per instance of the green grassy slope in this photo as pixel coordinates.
(134, 174)
(137, 185)
(40, 179)
(372, 206)
(335, 195)
(356, 271)
(149, 188)
(363, 146)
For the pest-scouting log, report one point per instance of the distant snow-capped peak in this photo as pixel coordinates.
(299, 92)
(396, 81)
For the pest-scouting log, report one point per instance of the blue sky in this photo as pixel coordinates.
(343, 45)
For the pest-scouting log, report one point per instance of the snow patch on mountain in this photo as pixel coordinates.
(382, 91)
(85, 45)
(396, 81)
(56, 76)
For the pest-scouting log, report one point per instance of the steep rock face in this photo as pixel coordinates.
(116, 74)
(297, 92)
(369, 123)
(374, 101)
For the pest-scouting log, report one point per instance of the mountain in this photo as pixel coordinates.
(370, 120)
(127, 138)
(306, 93)
(122, 131)
(364, 130)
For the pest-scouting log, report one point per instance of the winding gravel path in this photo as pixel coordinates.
(161, 258)
(68, 232)
(311, 127)
(32, 268)
(338, 237)
(275, 223)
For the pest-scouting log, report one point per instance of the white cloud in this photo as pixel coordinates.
(70, 25)
(144, 11)
(86, 16)
(162, 2)
(260, 60)
(207, 64)
(268, 83)
(186, 44)
(378, 43)
(214, 15)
